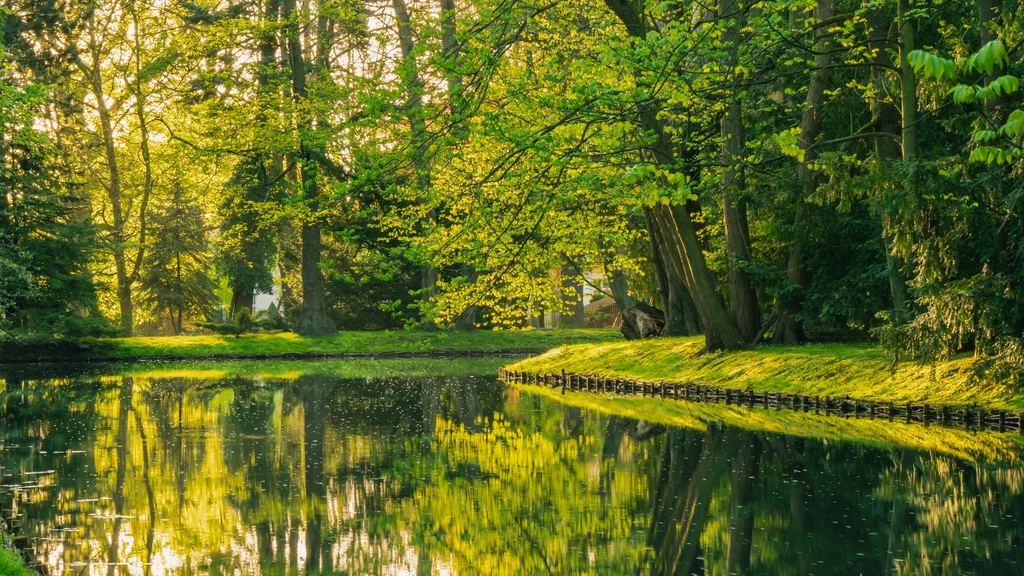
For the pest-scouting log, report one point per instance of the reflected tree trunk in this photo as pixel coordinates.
(430, 398)
(679, 554)
(467, 403)
(124, 407)
(745, 471)
(151, 530)
(316, 391)
(679, 459)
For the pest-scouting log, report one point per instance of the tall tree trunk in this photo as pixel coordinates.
(180, 286)
(450, 46)
(742, 298)
(147, 163)
(118, 233)
(909, 136)
(417, 127)
(677, 227)
(788, 329)
(466, 321)
(887, 120)
(313, 319)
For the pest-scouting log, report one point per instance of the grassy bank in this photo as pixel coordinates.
(858, 371)
(287, 343)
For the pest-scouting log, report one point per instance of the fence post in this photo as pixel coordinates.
(563, 381)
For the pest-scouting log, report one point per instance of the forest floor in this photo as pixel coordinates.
(857, 371)
(291, 345)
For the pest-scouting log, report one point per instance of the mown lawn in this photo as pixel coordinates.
(856, 370)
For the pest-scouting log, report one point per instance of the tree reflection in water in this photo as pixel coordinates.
(319, 474)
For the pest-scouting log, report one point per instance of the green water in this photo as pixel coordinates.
(385, 469)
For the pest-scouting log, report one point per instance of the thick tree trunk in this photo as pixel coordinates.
(885, 114)
(720, 329)
(620, 290)
(313, 319)
(125, 304)
(241, 298)
(788, 329)
(742, 298)
(681, 317)
(658, 262)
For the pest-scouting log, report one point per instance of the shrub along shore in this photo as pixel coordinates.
(288, 345)
(857, 371)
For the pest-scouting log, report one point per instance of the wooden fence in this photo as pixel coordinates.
(965, 417)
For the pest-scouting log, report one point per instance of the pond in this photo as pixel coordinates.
(437, 468)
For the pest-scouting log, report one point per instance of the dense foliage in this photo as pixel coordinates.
(758, 171)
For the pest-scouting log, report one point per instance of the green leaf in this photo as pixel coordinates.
(987, 58)
(964, 94)
(931, 66)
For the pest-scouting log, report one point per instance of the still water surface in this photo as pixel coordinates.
(209, 473)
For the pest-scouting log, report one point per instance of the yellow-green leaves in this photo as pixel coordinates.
(789, 144)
